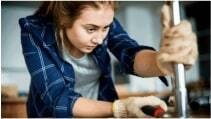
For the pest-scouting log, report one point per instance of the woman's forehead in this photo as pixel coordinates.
(99, 17)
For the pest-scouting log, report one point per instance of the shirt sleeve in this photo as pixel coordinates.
(54, 89)
(123, 47)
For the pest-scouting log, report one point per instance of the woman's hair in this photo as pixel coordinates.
(64, 13)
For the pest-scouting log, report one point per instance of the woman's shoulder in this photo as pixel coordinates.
(35, 22)
(41, 28)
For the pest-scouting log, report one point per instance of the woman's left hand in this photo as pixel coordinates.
(178, 44)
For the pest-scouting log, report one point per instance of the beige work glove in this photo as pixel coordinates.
(131, 107)
(178, 44)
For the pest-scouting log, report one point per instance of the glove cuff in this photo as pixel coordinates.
(119, 109)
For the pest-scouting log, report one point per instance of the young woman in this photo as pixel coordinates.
(65, 49)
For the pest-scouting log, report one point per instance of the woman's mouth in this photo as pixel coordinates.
(91, 47)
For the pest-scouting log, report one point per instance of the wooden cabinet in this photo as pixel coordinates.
(13, 107)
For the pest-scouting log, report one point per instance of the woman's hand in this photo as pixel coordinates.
(131, 107)
(178, 44)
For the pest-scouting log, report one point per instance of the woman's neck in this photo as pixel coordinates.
(74, 52)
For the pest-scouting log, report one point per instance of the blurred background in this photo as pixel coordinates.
(142, 22)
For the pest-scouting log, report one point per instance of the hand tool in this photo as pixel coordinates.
(164, 80)
(154, 111)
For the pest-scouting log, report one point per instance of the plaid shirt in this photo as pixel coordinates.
(52, 79)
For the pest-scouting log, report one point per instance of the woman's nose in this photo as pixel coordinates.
(98, 40)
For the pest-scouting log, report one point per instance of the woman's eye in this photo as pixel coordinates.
(91, 30)
(105, 29)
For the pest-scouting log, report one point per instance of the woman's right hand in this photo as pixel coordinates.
(131, 107)
(178, 44)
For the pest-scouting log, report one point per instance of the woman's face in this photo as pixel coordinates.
(89, 30)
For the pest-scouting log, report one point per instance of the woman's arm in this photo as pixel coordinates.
(123, 47)
(52, 87)
(145, 64)
(84, 107)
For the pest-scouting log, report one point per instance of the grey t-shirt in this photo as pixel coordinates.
(87, 74)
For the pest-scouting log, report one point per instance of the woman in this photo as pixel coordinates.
(65, 49)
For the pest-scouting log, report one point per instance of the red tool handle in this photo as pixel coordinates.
(155, 111)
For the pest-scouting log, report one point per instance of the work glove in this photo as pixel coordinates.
(178, 44)
(131, 107)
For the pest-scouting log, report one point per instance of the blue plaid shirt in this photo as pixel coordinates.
(52, 79)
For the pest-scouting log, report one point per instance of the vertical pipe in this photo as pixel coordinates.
(180, 88)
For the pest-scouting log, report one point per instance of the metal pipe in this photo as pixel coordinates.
(180, 91)
(180, 88)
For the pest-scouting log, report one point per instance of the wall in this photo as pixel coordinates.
(13, 66)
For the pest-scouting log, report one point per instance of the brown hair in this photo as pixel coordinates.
(64, 13)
